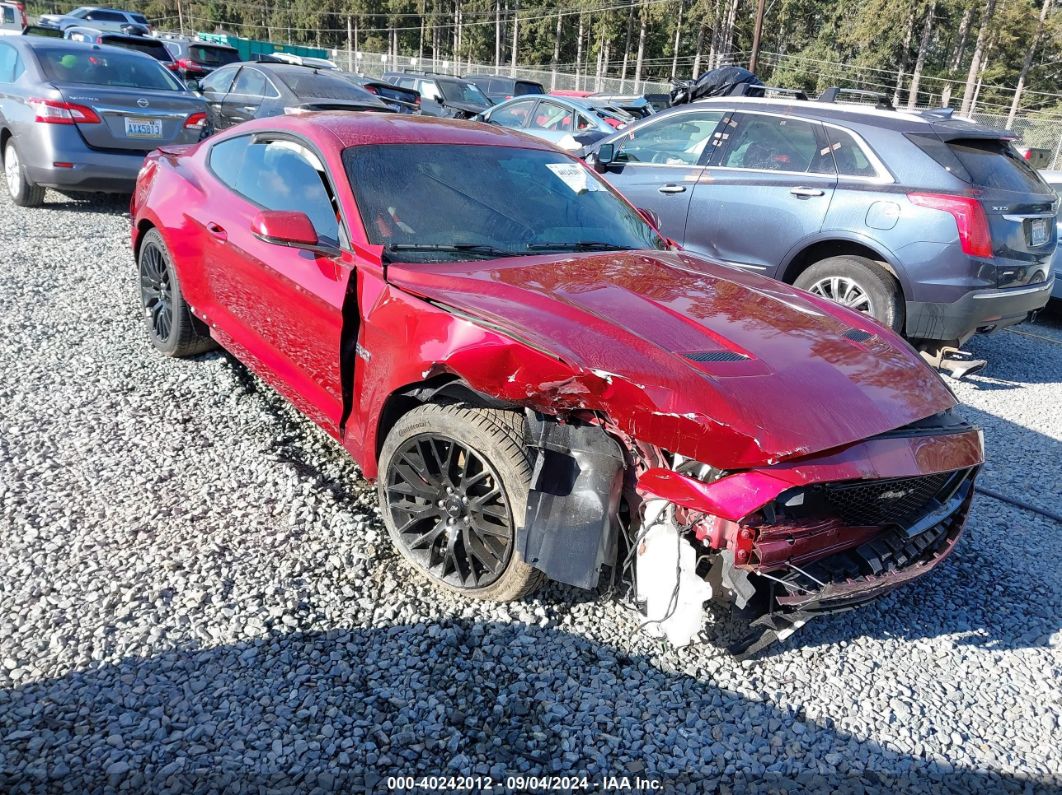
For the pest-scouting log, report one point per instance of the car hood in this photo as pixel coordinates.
(721, 365)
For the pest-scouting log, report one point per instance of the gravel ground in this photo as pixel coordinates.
(196, 593)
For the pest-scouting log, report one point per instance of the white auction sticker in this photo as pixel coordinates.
(575, 177)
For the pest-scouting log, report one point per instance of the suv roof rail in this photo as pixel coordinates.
(748, 89)
(881, 102)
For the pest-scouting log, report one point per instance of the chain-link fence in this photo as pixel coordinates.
(374, 64)
(1044, 134)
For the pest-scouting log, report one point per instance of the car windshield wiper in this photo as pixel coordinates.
(479, 249)
(580, 245)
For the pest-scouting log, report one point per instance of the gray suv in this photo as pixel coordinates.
(932, 225)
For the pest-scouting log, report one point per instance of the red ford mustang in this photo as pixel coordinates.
(541, 385)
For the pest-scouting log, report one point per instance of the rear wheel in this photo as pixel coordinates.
(171, 327)
(453, 489)
(22, 191)
(858, 283)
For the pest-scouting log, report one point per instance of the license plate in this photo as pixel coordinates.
(143, 128)
(1038, 232)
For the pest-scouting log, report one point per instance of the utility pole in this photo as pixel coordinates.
(757, 33)
(516, 39)
(350, 47)
(180, 17)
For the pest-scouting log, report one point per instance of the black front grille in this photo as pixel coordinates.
(879, 502)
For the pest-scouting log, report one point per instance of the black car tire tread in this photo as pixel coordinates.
(879, 284)
(30, 195)
(500, 437)
(189, 336)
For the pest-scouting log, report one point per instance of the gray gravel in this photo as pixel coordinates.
(196, 593)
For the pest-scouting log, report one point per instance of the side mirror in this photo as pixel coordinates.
(291, 229)
(651, 218)
(604, 157)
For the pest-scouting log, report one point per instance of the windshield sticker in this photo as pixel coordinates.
(575, 177)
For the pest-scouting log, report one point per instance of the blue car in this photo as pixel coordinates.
(931, 224)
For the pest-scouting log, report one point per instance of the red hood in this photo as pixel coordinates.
(789, 382)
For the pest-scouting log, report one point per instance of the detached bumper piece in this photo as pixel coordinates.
(896, 554)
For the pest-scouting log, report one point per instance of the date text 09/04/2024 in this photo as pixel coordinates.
(524, 783)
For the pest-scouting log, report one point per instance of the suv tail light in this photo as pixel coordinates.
(970, 218)
(50, 111)
(196, 121)
(189, 66)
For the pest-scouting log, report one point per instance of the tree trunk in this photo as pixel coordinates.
(701, 31)
(955, 61)
(978, 54)
(717, 34)
(641, 53)
(728, 32)
(923, 48)
(626, 49)
(678, 39)
(350, 45)
(556, 54)
(579, 56)
(600, 55)
(1027, 63)
(516, 41)
(497, 35)
(905, 54)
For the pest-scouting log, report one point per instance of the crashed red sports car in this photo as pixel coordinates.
(541, 385)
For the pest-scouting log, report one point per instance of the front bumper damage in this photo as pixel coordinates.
(784, 542)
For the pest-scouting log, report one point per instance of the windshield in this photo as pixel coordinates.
(101, 68)
(213, 56)
(454, 91)
(420, 199)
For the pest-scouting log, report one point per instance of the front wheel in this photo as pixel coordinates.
(858, 283)
(22, 191)
(453, 489)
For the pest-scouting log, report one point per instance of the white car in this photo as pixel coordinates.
(98, 17)
(12, 19)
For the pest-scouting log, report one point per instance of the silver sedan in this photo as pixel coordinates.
(1054, 179)
(568, 122)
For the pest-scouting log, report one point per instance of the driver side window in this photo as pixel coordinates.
(279, 175)
(679, 140)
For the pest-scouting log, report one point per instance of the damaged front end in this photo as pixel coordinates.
(819, 535)
(784, 542)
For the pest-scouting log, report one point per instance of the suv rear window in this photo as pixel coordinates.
(523, 88)
(213, 56)
(984, 162)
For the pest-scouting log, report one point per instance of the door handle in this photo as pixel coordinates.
(805, 193)
(249, 108)
(217, 231)
(671, 187)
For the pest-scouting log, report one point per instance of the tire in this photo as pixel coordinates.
(866, 285)
(438, 447)
(171, 326)
(19, 187)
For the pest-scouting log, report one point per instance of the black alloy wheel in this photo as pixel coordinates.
(155, 291)
(450, 511)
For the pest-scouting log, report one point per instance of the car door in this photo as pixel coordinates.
(657, 163)
(214, 87)
(552, 121)
(103, 19)
(280, 307)
(245, 98)
(764, 191)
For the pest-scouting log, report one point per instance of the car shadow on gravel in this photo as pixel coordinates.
(100, 203)
(341, 710)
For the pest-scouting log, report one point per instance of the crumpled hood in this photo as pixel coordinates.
(728, 367)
